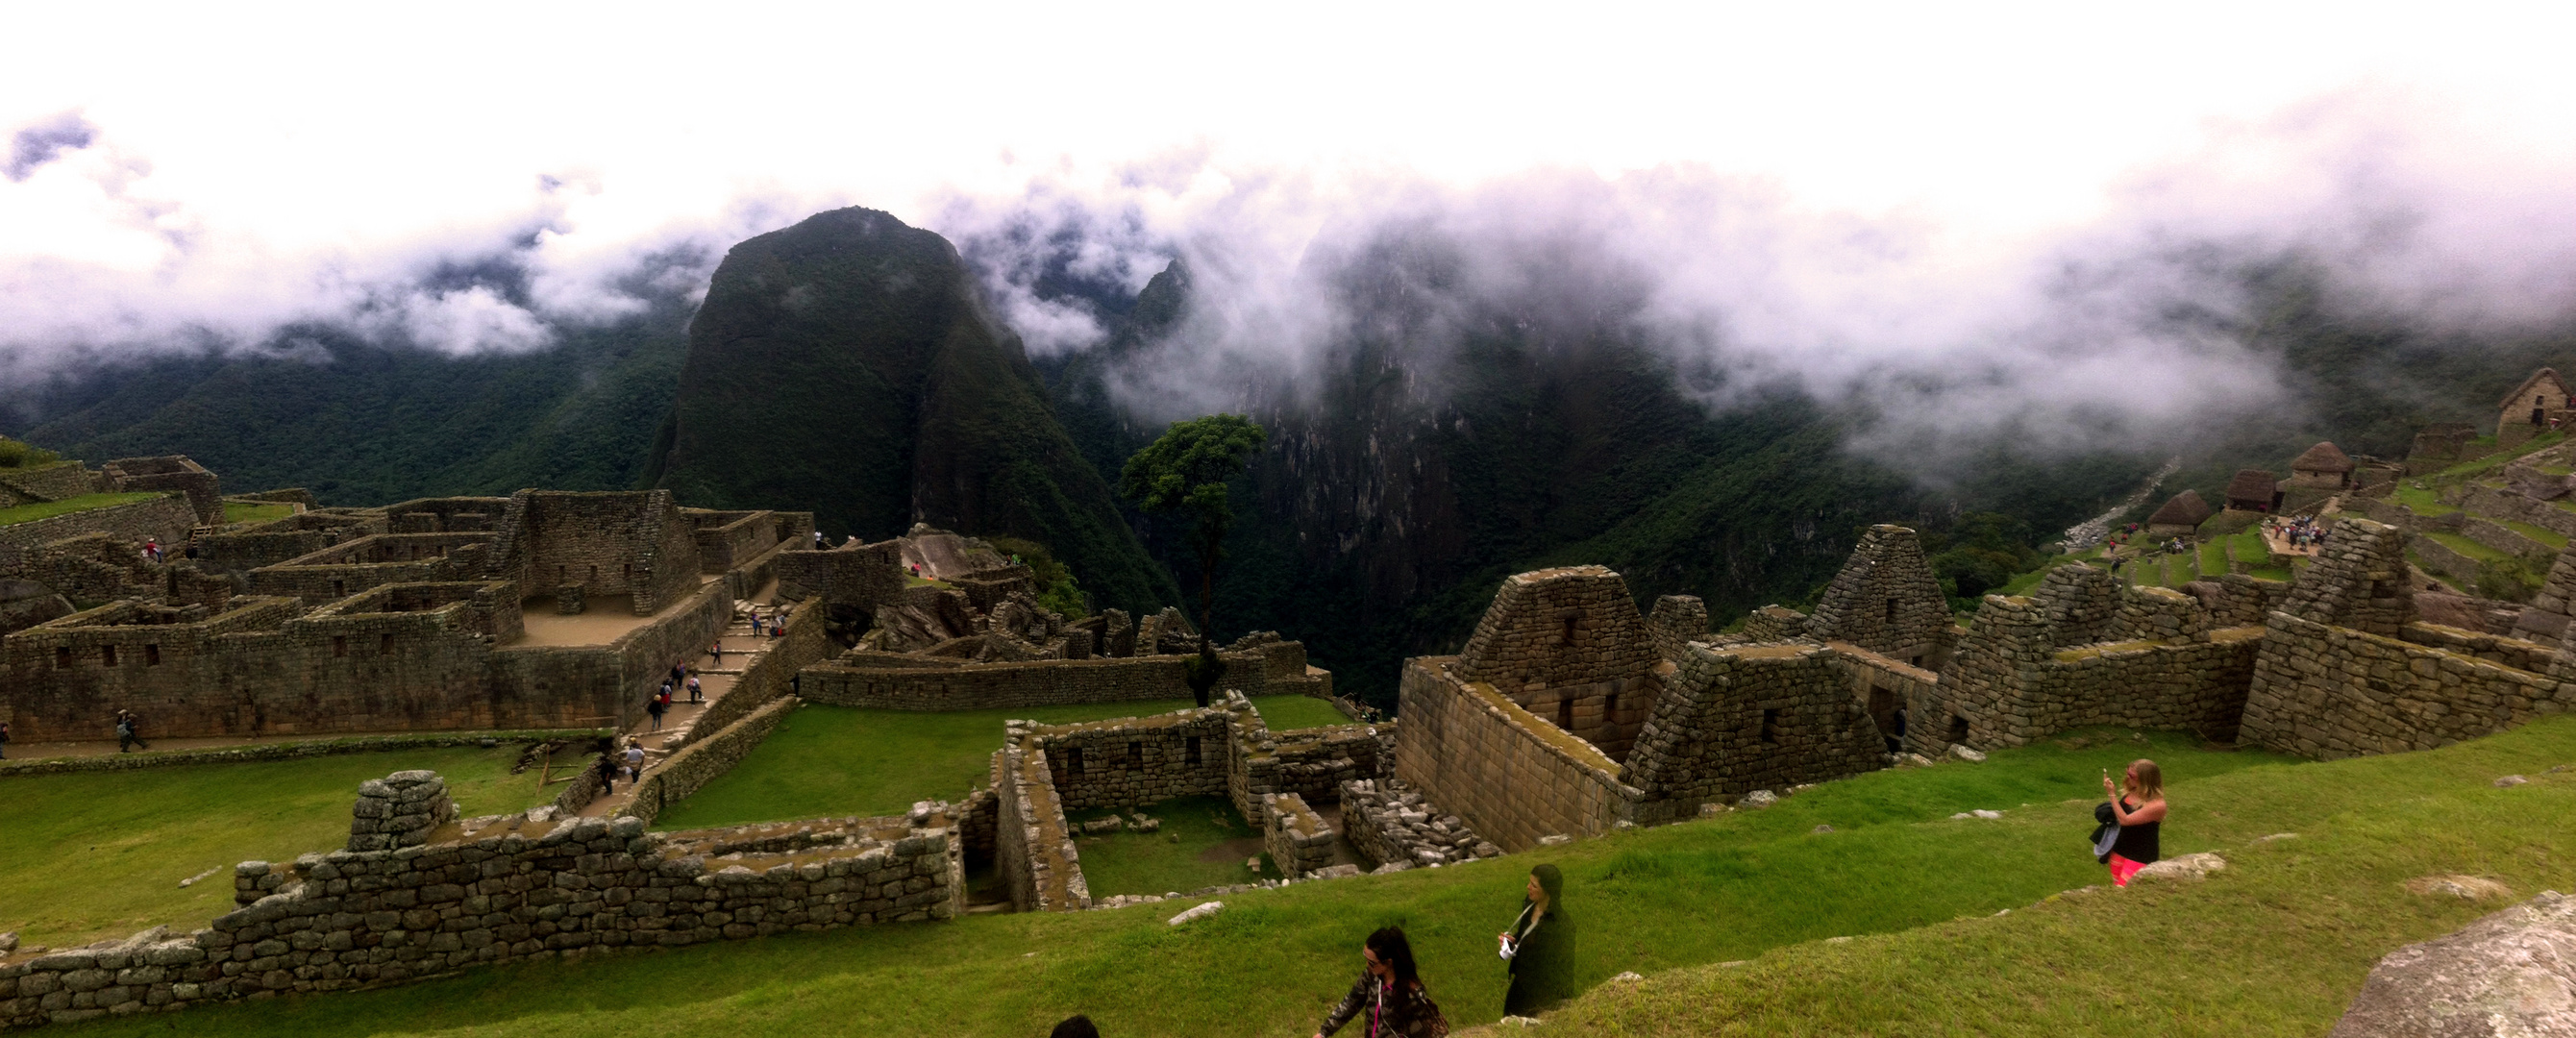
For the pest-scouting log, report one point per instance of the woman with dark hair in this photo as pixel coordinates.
(1388, 994)
(2139, 810)
(1540, 946)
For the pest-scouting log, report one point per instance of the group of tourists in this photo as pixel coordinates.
(2303, 533)
(129, 732)
(615, 764)
(679, 680)
(1390, 999)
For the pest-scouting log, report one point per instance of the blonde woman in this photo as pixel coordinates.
(2138, 806)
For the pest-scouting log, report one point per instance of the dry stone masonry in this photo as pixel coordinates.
(1394, 827)
(399, 810)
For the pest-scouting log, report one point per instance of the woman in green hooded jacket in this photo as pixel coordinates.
(1540, 946)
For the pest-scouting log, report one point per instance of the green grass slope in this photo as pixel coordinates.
(2275, 944)
(101, 854)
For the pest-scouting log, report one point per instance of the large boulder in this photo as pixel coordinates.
(2511, 973)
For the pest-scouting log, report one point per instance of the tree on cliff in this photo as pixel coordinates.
(1185, 471)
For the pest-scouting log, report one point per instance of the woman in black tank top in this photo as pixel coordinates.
(2139, 808)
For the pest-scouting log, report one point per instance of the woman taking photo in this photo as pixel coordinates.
(1388, 997)
(2139, 810)
(1540, 946)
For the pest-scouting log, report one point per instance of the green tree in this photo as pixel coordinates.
(1185, 472)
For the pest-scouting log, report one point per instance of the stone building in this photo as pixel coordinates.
(1887, 601)
(2180, 515)
(2539, 403)
(2254, 490)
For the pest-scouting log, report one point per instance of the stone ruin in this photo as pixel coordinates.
(1569, 715)
(399, 810)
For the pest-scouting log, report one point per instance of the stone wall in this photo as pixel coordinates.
(728, 539)
(2325, 691)
(634, 543)
(2011, 682)
(283, 751)
(608, 681)
(166, 519)
(1677, 621)
(2505, 504)
(172, 472)
(769, 676)
(1034, 851)
(2506, 540)
(704, 760)
(2506, 650)
(2357, 581)
(399, 810)
(1310, 762)
(1131, 762)
(1388, 823)
(1741, 718)
(1298, 839)
(447, 514)
(1886, 600)
(356, 565)
(861, 575)
(507, 890)
(1567, 644)
(1511, 775)
(241, 550)
(53, 482)
(1273, 669)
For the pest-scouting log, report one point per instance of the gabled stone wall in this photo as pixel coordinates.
(1513, 776)
(171, 472)
(1886, 600)
(1737, 719)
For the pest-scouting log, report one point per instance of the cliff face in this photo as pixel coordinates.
(846, 364)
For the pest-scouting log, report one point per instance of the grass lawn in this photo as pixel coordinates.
(2424, 502)
(1289, 713)
(66, 506)
(2213, 559)
(831, 761)
(2471, 468)
(256, 511)
(1203, 843)
(2542, 534)
(2464, 546)
(2276, 944)
(101, 854)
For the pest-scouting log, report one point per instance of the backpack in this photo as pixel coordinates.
(2106, 832)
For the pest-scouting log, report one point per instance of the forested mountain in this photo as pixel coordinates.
(1443, 439)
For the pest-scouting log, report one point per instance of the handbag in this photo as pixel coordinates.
(2106, 833)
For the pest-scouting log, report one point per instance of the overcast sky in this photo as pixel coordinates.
(209, 171)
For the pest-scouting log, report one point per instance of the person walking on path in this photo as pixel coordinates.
(1388, 994)
(2139, 810)
(129, 732)
(755, 625)
(1539, 946)
(4, 740)
(152, 549)
(659, 704)
(607, 774)
(634, 759)
(778, 627)
(695, 690)
(715, 654)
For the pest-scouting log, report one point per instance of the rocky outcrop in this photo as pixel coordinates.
(2511, 973)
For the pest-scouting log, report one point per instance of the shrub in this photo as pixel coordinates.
(19, 454)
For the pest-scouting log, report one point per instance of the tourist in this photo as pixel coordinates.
(694, 690)
(659, 704)
(634, 759)
(818, 540)
(755, 625)
(1539, 946)
(152, 549)
(1075, 1026)
(1388, 993)
(607, 772)
(4, 740)
(778, 627)
(129, 732)
(2138, 807)
(715, 654)
(1895, 733)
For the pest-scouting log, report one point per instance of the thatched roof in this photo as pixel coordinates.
(2537, 377)
(2324, 457)
(2185, 509)
(2252, 485)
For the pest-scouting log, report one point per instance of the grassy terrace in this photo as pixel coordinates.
(256, 511)
(2276, 944)
(2542, 534)
(2464, 546)
(66, 506)
(102, 853)
(1203, 843)
(837, 761)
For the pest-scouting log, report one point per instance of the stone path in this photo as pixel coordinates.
(103, 747)
(741, 648)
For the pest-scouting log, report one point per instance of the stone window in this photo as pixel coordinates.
(1770, 726)
(339, 645)
(1958, 729)
(1073, 760)
(339, 589)
(62, 655)
(1193, 750)
(1136, 755)
(151, 655)
(107, 655)
(1567, 636)
(1565, 713)
(384, 645)
(1891, 610)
